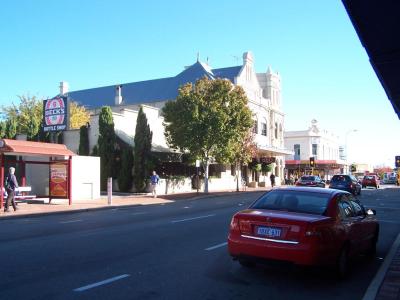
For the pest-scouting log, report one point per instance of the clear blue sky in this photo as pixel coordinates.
(325, 71)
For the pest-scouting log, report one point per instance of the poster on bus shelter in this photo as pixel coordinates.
(58, 180)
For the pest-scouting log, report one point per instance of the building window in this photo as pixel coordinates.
(314, 149)
(296, 149)
(264, 129)
(255, 127)
(276, 130)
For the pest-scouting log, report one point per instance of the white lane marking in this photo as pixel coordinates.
(186, 207)
(138, 213)
(216, 246)
(70, 221)
(96, 284)
(191, 219)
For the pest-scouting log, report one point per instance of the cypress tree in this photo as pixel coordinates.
(84, 140)
(125, 177)
(2, 129)
(142, 151)
(11, 129)
(106, 144)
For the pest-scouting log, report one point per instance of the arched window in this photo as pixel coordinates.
(276, 130)
(255, 126)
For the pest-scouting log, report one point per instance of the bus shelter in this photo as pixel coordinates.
(56, 156)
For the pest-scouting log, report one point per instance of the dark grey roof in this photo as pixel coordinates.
(151, 90)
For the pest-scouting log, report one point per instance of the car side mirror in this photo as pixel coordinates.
(371, 212)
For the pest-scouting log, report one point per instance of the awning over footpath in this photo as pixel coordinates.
(377, 24)
(16, 147)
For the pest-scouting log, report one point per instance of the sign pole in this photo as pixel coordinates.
(197, 174)
(109, 190)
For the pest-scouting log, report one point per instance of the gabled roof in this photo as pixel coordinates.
(17, 147)
(149, 91)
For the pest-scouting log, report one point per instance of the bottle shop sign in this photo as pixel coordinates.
(55, 114)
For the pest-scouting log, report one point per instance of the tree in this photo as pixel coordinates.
(28, 115)
(106, 144)
(142, 162)
(11, 128)
(78, 116)
(125, 177)
(2, 129)
(207, 119)
(245, 150)
(83, 140)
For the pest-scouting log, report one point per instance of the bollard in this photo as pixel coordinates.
(109, 190)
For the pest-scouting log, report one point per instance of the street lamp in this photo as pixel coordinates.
(345, 145)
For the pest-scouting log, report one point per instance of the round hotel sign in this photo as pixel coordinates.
(55, 114)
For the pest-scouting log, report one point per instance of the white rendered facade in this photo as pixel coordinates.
(264, 94)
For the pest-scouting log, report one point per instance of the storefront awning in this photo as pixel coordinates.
(274, 150)
(16, 147)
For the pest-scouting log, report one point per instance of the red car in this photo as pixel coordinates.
(305, 226)
(370, 180)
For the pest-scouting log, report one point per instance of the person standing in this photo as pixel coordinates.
(272, 178)
(11, 185)
(154, 181)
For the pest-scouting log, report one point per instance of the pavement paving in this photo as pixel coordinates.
(41, 206)
(385, 285)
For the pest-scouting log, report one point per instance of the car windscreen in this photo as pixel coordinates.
(293, 201)
(340, 178)
(307, 178)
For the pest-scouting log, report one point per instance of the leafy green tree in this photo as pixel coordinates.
(84, 140)
(125, 178)
(207, 119)
(2, 129)
(11, 128)
(95, 151)
(32, 130)
(142, 162)
(106, 144)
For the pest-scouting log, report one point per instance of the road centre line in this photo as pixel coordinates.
(216, 246)
(191, 219)
(96, 284)
(70, 221)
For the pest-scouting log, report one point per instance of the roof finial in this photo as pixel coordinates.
(198, 56)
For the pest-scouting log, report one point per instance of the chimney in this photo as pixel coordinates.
(118, 95)
(64, 88)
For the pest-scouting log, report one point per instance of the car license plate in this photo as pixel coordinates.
(269, 231)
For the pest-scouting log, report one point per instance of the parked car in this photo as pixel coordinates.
(346, 183)
(370, 180)
(304, 226)
(311, 181)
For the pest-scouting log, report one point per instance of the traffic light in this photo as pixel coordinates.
(312, 162)
(397, 163)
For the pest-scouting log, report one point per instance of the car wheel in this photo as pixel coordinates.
(342, 263)
(247, 264)
(371, 252)
(359, 192)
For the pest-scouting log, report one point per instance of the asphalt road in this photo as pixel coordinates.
(170, 251)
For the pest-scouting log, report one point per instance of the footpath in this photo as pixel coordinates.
(384, 286)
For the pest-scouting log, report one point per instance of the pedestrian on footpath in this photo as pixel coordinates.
(272, 178)
(11, 185)
(154, 182)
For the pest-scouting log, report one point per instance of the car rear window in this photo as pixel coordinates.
(369, 177)
(294, 201)
(307, 178)
(340, 178)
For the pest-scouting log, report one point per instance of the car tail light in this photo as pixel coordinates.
(245, 226)
(235, 224)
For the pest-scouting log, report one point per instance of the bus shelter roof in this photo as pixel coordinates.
(18, 147)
